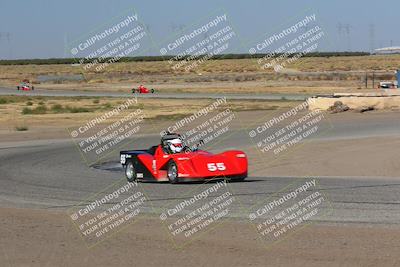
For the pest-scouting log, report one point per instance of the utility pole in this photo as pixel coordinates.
(373, 79)
(7, 37)
(339, 28)
(347, 28)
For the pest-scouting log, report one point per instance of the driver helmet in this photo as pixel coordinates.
(175, 145)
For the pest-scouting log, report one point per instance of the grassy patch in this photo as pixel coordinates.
(254, 108)
(10, 99)
(56, 108)
(76, 109)
(107, 105)
(38, 110)
(170, 116)
(29, 103)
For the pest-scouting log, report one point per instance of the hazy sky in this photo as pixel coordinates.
(46, 28)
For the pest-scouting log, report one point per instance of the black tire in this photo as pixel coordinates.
(130, 172)
(172, 172)
(18, 88)
(152, 91)
(33, 88)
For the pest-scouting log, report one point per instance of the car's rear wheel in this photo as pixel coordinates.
(130, 172)
(172, 172)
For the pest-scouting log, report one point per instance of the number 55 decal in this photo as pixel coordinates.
(212, 167)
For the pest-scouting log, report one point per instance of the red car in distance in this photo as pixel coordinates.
(142, 90)
(25, 86)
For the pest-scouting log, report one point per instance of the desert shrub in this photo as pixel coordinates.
(57, 108)
(76, 109)
(38, 110)
(21, 128)
(107, 105)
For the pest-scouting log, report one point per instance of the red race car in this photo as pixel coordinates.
(172, 161)
(25, 86)
(142, 90)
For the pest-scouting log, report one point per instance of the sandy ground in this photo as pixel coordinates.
(48, 238)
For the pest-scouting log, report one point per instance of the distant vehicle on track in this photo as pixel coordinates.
(25, 86)
(142, 90)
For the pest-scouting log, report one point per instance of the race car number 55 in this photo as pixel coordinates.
(212, 167)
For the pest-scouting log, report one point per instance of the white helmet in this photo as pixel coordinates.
(175, 145)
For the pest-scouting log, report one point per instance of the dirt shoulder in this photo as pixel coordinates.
(48, 238)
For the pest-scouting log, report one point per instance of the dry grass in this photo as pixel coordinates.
(359, 63)
(55, 112)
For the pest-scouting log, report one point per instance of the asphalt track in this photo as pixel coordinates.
(51, 174)
(62, 93)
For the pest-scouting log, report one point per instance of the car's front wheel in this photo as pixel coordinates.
(172, 172)
(130, 172)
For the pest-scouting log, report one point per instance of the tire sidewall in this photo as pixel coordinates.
(129, 164)
(172, 180)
